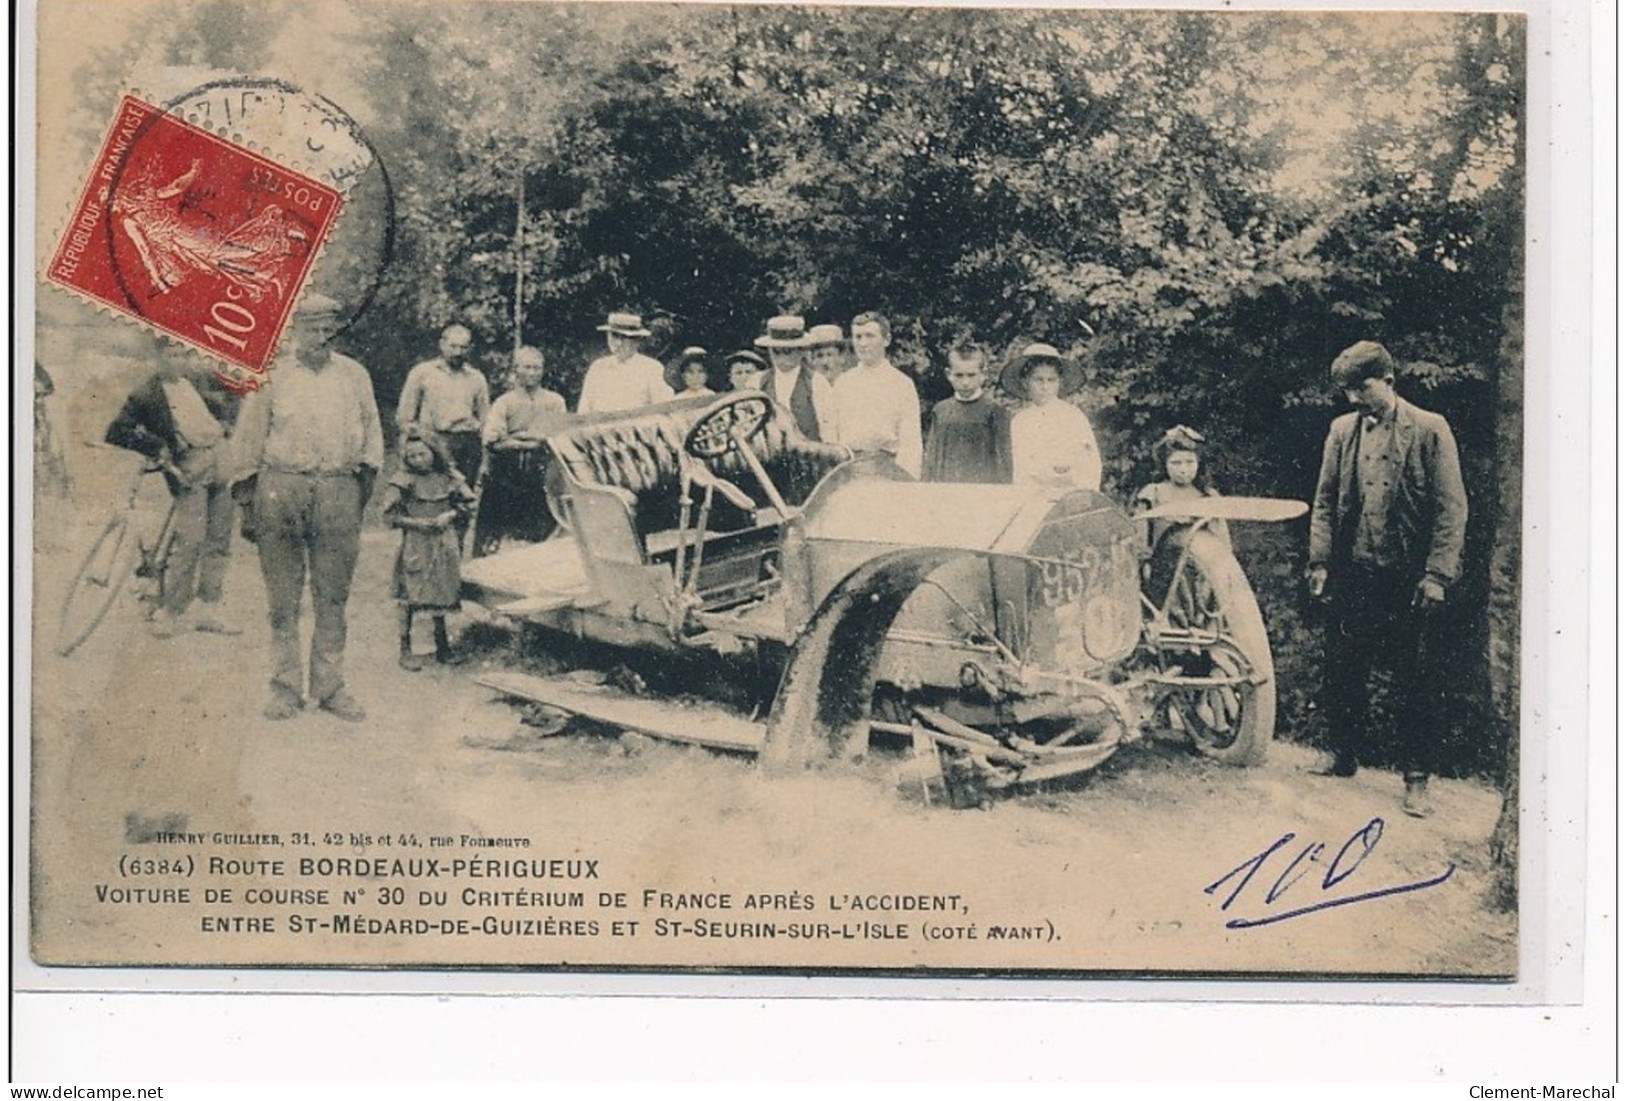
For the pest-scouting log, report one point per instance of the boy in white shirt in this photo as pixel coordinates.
(875, 403)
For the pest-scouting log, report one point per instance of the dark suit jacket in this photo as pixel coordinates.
(1426, 508)
(145, 424)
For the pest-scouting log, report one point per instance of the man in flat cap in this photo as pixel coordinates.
(793, 383)
(626, 378)
(1385, 543)
(308, 448)
(181, 417)
(746, 370)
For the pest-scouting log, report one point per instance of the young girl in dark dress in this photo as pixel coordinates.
(425, 499)
(1182, 455)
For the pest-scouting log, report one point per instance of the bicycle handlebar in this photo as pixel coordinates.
(149, 465)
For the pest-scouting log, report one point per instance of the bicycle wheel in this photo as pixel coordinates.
(154, 564)
(106, 568)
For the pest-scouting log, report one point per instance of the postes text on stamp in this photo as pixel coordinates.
(196, 236)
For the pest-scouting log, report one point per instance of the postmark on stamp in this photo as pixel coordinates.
(195, 235)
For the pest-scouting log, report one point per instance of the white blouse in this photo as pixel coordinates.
(1054, 444)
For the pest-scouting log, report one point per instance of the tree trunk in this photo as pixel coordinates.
(519, 267)
(1506, 560)
(1505, 577)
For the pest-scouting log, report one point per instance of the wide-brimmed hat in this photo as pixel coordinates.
(824, 336)
(674, 370)
(1012, 379)
(746, 356)
(624, 324)
(784, 331)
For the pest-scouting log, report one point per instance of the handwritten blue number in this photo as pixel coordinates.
(1252, 865)
(1282, 885)
(1254, 923)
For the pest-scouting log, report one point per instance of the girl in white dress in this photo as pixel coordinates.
(1051, 441)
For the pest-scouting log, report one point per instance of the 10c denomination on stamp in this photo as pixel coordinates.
(195, 235)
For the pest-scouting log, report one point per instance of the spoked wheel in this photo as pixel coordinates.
(727, 427)
(106, 568)
(732, 418)
(1230, 714)
(1216, 717)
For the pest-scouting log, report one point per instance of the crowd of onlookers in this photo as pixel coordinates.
(300, 456)
(833, 387)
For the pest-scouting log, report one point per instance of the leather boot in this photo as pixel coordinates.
(1417, 802)
(443, 653)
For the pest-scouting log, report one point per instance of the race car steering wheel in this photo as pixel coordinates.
(730, 422)
(730, 425)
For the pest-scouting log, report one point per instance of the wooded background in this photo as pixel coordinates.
(1225, 200)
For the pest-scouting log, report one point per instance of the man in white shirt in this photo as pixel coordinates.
(451, 398)
(309, 446)
(624, 379)
(797, 388)
(876, 405)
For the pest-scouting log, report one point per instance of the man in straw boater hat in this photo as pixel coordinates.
(878, 407)
(1051, 441)
(826, 351)
(308, 447)
(793, 383)
(626, 378)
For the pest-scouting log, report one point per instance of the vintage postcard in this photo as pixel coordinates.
(778, 489)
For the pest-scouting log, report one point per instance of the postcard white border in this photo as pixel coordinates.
(743, 1025)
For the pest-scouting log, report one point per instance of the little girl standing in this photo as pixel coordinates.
(424, 499)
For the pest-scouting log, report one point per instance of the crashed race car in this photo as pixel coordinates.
(1009, 634)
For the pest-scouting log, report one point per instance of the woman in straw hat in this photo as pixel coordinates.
(1051, 441)
(688, 374)
(626, 378)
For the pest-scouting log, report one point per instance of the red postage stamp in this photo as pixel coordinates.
(196, 236)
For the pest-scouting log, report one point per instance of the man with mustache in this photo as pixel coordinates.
(1385, 544)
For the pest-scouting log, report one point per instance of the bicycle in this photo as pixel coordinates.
(120, 553)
